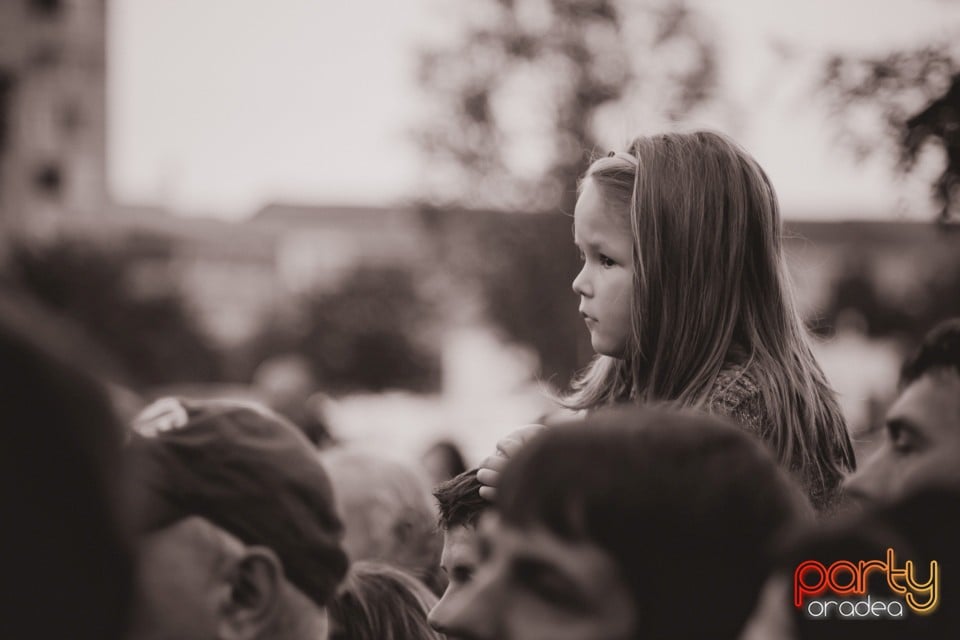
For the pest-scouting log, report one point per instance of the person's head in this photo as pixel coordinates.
(199, 581)
(460, 507)
(694, 226)
(387, 512)
(67, 568)
(443, 461)
(921, 444)
(683, 266)
(641, 524)
(288, 386)
(238, 532)
(380, 602)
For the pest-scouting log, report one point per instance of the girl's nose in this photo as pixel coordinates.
(581, 285)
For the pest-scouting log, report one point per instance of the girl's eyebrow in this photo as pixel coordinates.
(593, 244)
(598, 247)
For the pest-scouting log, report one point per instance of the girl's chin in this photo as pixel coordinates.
(606, 348)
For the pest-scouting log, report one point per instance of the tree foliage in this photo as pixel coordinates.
(150, 334)
(517, 97)
(518, 92)
(518, 267)
(916, 94)
(371, 333)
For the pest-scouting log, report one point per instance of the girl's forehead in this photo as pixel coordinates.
(596, 215)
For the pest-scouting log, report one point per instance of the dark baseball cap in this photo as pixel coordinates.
(246, 470)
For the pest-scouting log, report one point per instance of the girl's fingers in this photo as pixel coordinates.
(489, 473)
(488, 477)
(494, 462)
(509, 445)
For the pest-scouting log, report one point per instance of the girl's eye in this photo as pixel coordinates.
(461, 575)
(605, 261)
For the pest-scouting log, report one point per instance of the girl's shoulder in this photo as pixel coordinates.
(736, 394)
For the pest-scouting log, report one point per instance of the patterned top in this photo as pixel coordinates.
(736, 395)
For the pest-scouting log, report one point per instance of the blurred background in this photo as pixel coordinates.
(359, 211)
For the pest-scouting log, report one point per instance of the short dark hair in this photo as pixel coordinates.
(682, 502)
(459, 500)
(940, 349)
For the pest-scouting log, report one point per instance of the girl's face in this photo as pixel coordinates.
(605, 283)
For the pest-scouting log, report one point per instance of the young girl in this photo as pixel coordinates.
(685, 293)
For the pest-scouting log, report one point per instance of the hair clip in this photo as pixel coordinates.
(611, 154)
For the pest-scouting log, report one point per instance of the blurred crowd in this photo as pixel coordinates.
(173, 467)
(216, 518)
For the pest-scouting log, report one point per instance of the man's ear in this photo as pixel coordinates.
(251, 601)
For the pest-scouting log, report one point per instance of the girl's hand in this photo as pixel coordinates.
(491, 466)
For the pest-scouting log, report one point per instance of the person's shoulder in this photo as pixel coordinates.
(736, 395)
(735, 386)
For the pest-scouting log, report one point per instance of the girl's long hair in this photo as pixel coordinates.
(710, 280)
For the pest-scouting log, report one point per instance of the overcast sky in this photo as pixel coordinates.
(220, 106)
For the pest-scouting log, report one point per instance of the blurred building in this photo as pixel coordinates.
(52, 108)
(318, 245)
(235, 274)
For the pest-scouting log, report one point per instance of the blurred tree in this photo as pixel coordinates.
(371, 333)
(516, 99)
(916, 94)
(148, 332)
(519, 267)
(516, 96)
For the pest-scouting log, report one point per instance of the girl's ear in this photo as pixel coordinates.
(251, 601)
